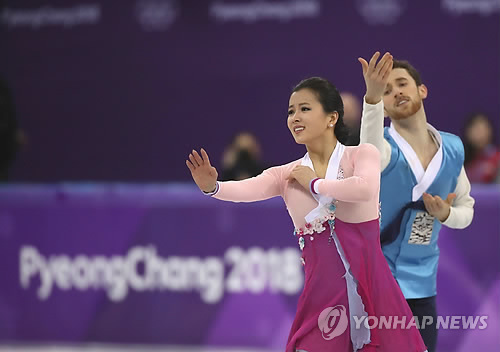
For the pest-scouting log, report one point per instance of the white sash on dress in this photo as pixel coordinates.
(331, 173)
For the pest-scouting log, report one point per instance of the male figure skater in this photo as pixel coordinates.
(423, 182)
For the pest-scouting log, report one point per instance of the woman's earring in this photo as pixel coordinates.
(331, 125)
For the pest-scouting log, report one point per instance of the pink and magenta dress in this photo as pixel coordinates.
(350, 301)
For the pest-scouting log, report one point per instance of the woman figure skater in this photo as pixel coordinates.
(332, 196)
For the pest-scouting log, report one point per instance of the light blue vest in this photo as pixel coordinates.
(414, 266)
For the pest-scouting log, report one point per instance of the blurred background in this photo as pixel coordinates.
(106, 244)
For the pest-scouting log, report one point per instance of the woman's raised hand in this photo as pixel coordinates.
(204, 174)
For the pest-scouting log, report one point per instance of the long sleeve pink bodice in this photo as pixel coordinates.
(357, 193)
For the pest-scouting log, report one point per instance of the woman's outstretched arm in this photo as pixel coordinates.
(264, 186)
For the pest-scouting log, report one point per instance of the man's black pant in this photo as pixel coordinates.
(423, 309)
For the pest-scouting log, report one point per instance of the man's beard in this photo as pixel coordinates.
(414, 106)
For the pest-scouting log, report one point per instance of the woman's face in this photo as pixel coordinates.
(479, 133)
(306, 118)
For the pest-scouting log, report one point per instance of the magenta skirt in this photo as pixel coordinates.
(325, 291)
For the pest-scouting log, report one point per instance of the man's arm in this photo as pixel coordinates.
(372, 131)
(376, 76)
(462, 210)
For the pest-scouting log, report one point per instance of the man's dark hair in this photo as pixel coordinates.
(409, 68)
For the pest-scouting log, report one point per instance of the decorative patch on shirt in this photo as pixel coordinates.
(421, 231)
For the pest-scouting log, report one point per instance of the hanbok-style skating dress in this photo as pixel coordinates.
(350, 301)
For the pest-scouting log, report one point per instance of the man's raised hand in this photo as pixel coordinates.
(376, 76)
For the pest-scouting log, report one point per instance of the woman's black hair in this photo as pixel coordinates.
(330, 99)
